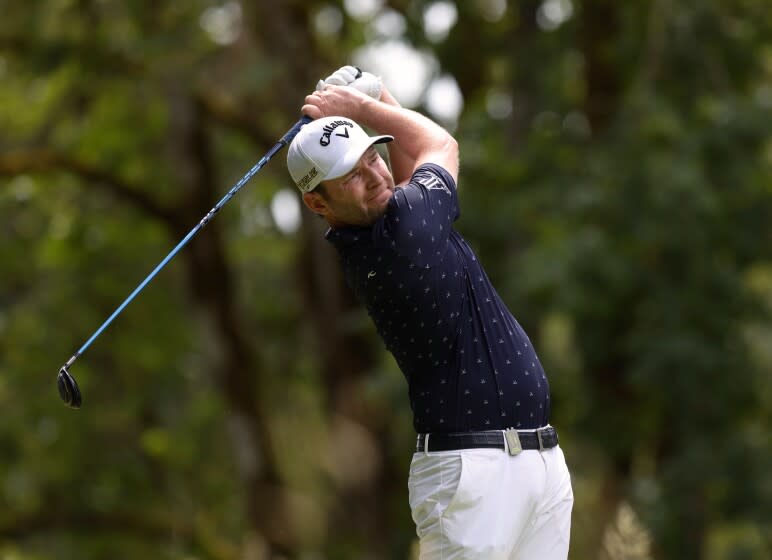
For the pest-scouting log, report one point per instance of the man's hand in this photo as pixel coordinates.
(369, 84)
(343, 101)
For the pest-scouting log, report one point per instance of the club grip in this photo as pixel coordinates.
(292, 132)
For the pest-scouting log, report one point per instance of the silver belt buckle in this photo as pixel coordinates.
(538, 436)
(513, 441)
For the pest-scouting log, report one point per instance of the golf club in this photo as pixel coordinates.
(68, 388)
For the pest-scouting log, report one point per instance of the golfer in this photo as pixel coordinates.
(488, 479)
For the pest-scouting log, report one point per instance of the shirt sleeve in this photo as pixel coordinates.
(419, 218)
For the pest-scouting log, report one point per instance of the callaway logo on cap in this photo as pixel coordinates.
(327, 148)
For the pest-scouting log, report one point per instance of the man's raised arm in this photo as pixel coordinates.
(418, 139)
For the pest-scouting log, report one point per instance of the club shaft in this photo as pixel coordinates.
(286, 139)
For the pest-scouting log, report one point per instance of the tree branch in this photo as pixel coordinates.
(44, 160)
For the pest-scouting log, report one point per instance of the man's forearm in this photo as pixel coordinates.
(418, 139)
(402, 165)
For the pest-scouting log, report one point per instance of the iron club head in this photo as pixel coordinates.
(68, 388)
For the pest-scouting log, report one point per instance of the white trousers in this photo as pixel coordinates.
(476, 504)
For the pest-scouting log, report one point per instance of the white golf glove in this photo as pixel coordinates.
(367, 83)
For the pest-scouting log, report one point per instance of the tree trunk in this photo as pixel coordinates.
(346, 355)
(211, 281)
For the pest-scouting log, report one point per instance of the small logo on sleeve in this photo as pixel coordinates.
(430, 181)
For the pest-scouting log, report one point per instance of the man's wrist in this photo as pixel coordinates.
(365, 111)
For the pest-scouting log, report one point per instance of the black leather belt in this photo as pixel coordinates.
(510, 440)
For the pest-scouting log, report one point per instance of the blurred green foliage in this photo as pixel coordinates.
(616, 181)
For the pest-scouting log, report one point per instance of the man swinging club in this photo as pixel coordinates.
(488, 479)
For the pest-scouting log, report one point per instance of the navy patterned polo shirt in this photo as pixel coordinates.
(468, 363)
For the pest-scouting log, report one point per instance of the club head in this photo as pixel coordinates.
(68, 388)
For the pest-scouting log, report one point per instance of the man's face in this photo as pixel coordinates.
(358, 198)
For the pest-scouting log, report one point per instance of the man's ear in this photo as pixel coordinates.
(315, 203)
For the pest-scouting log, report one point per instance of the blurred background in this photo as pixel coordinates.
(616, 181)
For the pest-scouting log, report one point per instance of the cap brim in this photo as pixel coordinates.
(351, 157)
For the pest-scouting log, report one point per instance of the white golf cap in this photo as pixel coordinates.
(327, 148)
